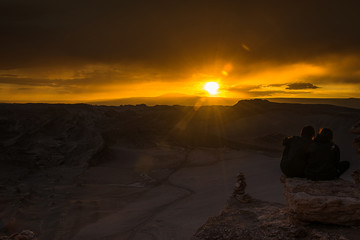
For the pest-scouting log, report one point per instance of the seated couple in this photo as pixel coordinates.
(313, 158)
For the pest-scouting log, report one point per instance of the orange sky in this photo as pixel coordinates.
(269, 81)
(72, 52)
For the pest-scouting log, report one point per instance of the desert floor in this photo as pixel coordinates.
(182, 201)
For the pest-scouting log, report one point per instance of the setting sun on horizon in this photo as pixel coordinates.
(212, 87)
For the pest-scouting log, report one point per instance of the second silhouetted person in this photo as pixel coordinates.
(324, 160)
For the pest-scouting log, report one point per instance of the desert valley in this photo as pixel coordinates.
(76, 171)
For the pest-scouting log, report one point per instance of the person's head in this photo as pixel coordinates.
(308, 132)
(326, 134)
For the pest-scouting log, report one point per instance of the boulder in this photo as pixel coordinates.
(330, 202)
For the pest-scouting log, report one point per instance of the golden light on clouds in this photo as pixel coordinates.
(267, 80)
(101, 82)
(283, 74)
(250, 52)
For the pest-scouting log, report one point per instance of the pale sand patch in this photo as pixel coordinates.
(180, 205)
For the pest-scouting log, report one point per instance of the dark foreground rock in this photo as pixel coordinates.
(251, 219)
(258, 220)
(333, 202)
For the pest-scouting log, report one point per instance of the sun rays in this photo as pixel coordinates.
(212, 88)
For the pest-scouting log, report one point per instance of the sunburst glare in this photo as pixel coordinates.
(211, 87)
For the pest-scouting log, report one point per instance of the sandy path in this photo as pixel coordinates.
(176, 208)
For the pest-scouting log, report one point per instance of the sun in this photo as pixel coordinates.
(212, 87)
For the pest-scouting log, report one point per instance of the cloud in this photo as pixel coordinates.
(242, 88)
(299, 86)
(339, 79)
(24, 89)
(169, 41)
(89, 76)
(276, 85)
(25, 81)
(8, 75)
(269, 93)
(264, 90)
(173, 35)
(340, 70)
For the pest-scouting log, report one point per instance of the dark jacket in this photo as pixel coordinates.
(323, 161)
(295, 156)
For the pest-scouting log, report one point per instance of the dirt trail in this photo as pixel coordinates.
(177, 205)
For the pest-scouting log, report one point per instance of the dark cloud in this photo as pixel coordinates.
(26, 81)
(54, 83)
(174, 35)
(262, 91)
(299, 86)
(276, 85)
(340, 79)
(90, 80)
(8, 75)
(295, 86)
(342, 71)
(24, 89)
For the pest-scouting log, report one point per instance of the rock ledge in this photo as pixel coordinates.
(329, 202)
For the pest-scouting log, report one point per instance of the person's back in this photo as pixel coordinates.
(324, 161)
(295, 155)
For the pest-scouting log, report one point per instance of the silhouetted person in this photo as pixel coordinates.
(324, 161)
(295, 155)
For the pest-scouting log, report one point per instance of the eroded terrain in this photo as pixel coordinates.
(138, 172)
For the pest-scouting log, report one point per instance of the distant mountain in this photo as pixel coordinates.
(180, 99)
(191, 100)
(169, 99)
(344, 102)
